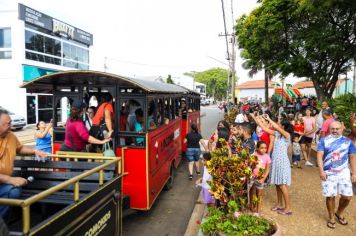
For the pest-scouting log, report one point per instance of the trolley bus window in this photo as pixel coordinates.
(62, 111)
(151, 115)
(176, 107)
(131, 121)
(183, 108)
(160, 111)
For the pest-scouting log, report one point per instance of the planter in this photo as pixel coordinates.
(277, 231)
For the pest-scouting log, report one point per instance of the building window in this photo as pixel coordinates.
(5, 38)
(5, 55)
(49, 50)
(5, 43)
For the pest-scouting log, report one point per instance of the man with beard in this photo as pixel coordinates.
(334, 152)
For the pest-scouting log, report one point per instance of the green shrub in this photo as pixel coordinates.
(343, 105)
(219, 222)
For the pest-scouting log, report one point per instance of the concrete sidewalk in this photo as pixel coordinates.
(196, 218)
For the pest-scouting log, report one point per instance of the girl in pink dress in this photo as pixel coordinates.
(259, 176)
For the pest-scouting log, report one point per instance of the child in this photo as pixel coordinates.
(234, 137)
(296, 151)
(207, 198)
(259, 175)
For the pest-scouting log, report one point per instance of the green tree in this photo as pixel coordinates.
(169, 80)
(215, 80)
(314, 39)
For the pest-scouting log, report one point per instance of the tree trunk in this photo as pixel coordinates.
(266, 85)
(319, 90)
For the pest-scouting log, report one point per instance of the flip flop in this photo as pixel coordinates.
(286, 213)
(276, 208)
(341, 220)
(331, 225)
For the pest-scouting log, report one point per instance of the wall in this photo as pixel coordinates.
(254, 93)
(11, 96)
(341, 89)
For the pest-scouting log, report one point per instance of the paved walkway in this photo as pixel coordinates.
(308, 205)
(26, 135)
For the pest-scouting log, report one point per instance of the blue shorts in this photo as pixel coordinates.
(193, 154)
(295, 158)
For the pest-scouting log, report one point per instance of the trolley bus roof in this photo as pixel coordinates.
(46, 83)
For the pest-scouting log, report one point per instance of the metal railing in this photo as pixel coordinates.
(26, 203)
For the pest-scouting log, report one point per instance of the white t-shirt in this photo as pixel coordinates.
(206, 177)
(240, 118)
(296, 148)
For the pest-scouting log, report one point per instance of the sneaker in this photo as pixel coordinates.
(198, 172)
(191, 177)
(308, 163)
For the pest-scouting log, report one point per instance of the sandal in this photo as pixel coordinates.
(331, 225)
(341, 220)
(286, 213)
(277, 209)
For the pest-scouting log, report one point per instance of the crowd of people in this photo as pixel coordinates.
(282, 141)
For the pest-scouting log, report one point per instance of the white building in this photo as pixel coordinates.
(33, 44)
(253, 90)
(189, 83)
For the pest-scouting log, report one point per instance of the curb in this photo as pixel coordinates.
(196, 217)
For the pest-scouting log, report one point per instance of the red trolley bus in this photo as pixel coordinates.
(149, 158)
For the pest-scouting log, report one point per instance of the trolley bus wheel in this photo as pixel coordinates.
(170, 181)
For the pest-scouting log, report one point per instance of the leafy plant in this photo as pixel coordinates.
(343, 105)
(235, 224)
(230, 175)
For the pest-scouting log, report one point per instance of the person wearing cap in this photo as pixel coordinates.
(76, 134)
(10, 146)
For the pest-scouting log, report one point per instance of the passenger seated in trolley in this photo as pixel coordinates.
(139, 126)
(150, 119)
(133, 105)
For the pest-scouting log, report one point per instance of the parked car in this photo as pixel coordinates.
(17, 122)
(204, 102)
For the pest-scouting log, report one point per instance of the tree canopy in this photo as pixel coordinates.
(169, 80)
(215, 80)
(314, 39)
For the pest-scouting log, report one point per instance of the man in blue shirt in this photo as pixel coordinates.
(334, 152)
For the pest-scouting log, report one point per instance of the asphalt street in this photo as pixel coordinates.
(171, 212)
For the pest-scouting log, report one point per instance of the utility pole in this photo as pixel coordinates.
(354, 81)
(231, 81)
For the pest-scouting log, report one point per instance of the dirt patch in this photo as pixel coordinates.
(308, 206)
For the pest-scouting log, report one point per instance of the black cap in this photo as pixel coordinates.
(78, 104)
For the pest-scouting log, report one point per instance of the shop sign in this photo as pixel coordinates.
(36, 18)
